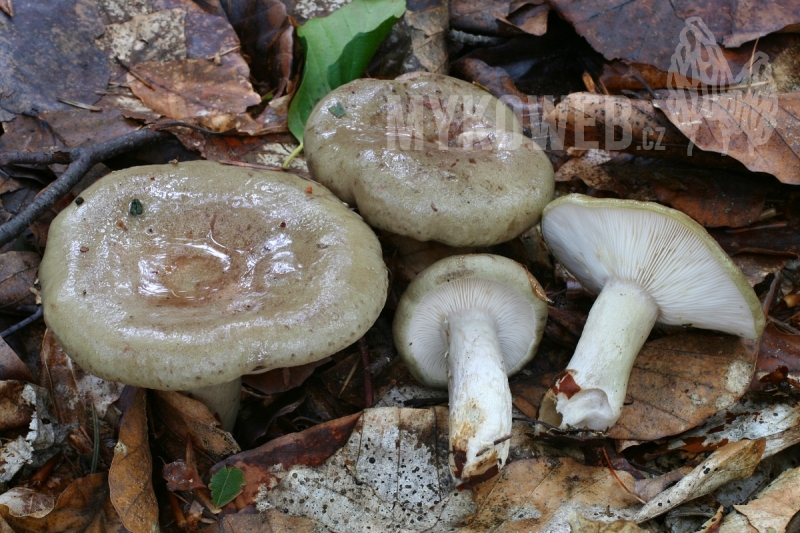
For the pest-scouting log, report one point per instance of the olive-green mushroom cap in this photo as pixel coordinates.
(226, 271)
(429, 157)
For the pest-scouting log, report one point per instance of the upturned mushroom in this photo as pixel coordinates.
(647, 263)
(185, 277)
(429, 157)
(465, 323)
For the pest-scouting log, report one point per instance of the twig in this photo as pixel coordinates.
(19, 325)
(614, 473)
(82, 159)
(34, 158)
(362, 344)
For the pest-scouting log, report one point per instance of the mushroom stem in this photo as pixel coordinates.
(480, 398)
(222, 400)
(592, 391)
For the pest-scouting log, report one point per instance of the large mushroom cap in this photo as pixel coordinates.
(226, 271)
(471, 179)
(491, 283)
(669, 255)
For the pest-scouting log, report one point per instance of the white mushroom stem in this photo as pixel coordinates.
(480, 399)
(618, 324)
(222, 400)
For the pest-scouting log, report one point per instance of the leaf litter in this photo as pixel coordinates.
(388, 467)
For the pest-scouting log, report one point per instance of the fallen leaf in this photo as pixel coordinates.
(267, 37)
(777, 351)
(83, 506)
(265, 465)
(23, 501)
(583, 525)
(428, 24)
(680, 380)
(24, 405)
(756, 129)
(130, 478)
(538, 495)
(225, 485)
(41, 65)
(5, 7)
(617, 30)
(338, 49)
(756, 267)
(11, 366)
(392, 474)
(282, 379)
(17, 273)
(194, 88)
(736, 460)
(591, 121)
(478, 16)
(181, 418)
(776, 505)
(81, 127)
(157, 36)
(269, 521)
(749, 419)
(58, 377)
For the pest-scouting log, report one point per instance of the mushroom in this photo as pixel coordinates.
(185, 277)
(429, 157)
(466, 323)
(647, 263)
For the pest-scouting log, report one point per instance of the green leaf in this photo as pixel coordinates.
(337, 49)
(226, 484)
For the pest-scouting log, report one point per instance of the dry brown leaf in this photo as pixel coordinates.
(756, 267)
(183, 419)
(680, 380)
(758, 130)
(194, 89)
(648, 31)
(83, 507)
(736, 460)
(130, 478)
(392, 474)
(776, 505)
(478, 16)
(15, 410)
(6, 7)
(428, 24)
(17, 273)
(58, 377)
(24, 405)
(24, 501)
(270, 521)
(749, 419)
(778, 364)
(264, 466)
(282, 379)
(79, 127)
(11, 366)
(41, 65)
(586, 121)
(157, 36)
(414, 256)
(538, 495)
(583, 525)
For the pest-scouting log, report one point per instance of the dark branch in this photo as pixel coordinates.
(83, 159)
(34, 158)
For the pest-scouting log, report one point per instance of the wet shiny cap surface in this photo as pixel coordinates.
(189, 275)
